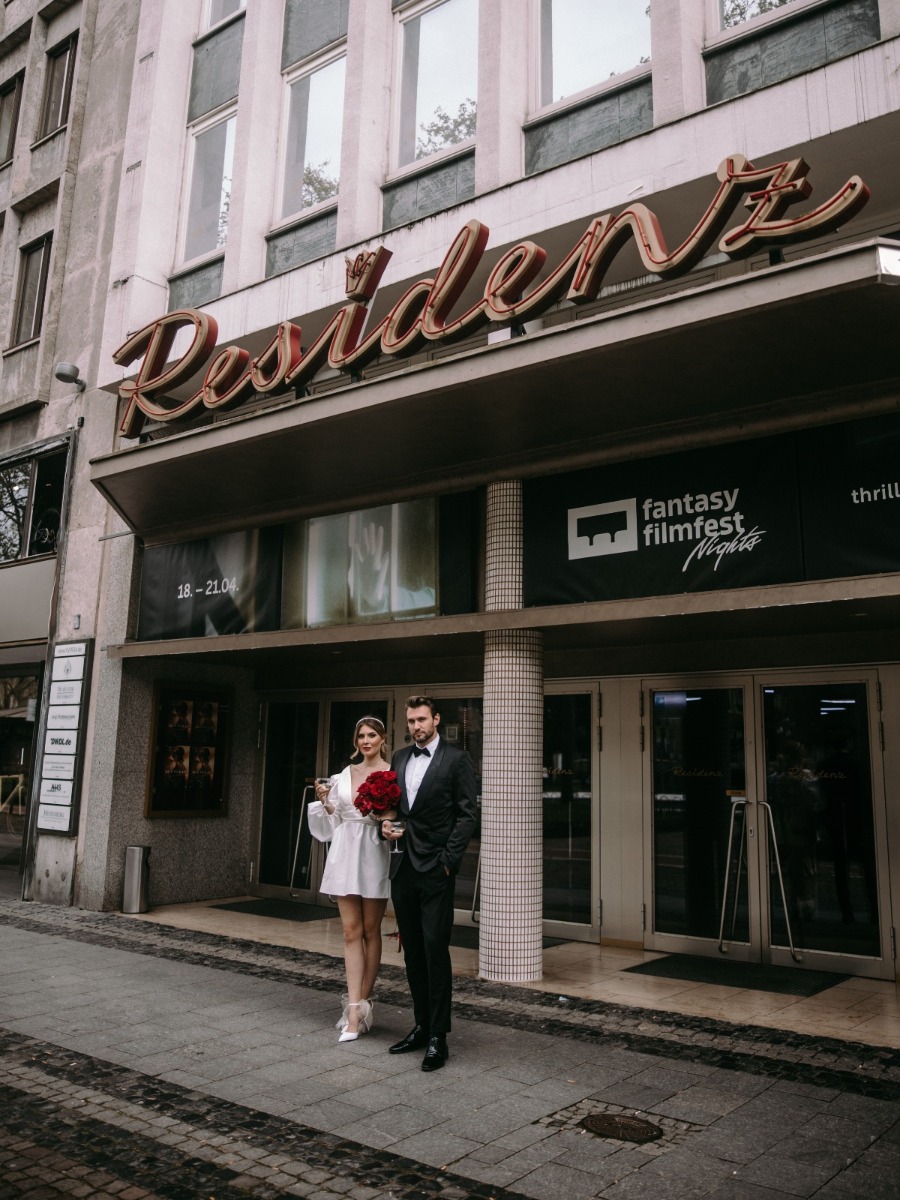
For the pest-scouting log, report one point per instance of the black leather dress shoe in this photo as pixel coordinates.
(436, 1054)
(414, 1040)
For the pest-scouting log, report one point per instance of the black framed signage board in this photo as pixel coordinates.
(62, 754)
(817, 504)
(189, 752)
(706, 519)
(850, 495)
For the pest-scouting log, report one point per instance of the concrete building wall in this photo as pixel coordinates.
(64, 184)
(843, 104)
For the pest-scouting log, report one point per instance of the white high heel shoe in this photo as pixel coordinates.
(364, 1020)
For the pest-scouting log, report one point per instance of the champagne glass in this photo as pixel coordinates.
(397, 827)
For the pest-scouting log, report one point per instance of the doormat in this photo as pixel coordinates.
(466, 937)
(759, 977)
(285, 910)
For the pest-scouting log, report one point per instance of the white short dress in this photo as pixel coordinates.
(357, 858)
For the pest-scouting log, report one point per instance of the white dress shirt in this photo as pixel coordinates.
(416, 767)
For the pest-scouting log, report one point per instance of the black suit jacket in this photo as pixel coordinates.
(442, 820)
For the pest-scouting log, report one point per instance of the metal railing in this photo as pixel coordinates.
(742, 803)
(304, 801)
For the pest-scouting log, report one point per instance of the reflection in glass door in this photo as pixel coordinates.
(567, 807)
(699, 778)
(462, 725)
(299, 747)
(818, 785)
(18, 706)
(292, 738)
(771, 855)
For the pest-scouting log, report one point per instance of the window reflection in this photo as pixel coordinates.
(462, 726)
(585, 42)
(30, 511)
(18, 709)
(567, 808)
(818, 782)
(375, 562)
(220, 9)
(15, 481)
(210, 199)
(698, 772)
(313, 159)
(291, 739)
(440, 79)
(735, 12)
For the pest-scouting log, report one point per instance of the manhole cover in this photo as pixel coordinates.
(625, 1129)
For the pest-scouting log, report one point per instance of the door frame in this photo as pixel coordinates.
(324, 697)
(669, 943)
(396, 728)
(759, 948)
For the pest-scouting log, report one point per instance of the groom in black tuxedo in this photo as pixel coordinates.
(439, 805)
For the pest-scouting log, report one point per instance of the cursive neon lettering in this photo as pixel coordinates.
(423, 312)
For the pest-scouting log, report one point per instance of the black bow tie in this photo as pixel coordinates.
(417, 750)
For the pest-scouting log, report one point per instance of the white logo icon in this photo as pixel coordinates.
(603, 529)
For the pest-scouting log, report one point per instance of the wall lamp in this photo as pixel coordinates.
(68, 373)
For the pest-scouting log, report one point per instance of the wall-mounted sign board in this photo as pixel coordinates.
(61, 757)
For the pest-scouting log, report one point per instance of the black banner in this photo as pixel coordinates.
(850, 497)
(719, 518)
(230, 583)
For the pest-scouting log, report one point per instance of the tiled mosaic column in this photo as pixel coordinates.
(512, 810)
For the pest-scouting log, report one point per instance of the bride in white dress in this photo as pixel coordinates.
(356, 873)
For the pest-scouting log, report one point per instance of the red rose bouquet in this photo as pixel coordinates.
(378, 794)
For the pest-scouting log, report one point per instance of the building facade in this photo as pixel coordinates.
(64, 69)
(536, 356)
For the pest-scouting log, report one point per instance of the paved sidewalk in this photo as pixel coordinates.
(138, 1060)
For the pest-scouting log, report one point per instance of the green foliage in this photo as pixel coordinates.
(14, 483)
(734, 12)
(446, 130)
(318, 185)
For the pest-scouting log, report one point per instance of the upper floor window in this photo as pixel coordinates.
(10, 98)
(312, 167)
(58, 86)
(210, 188)
(220, 9)
(31, 499)
(586, 42)
(33, 270)
(439, 85)
(735, 12)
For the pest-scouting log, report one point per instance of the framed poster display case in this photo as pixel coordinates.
(189, 752)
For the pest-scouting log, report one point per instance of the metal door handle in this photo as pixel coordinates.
(735, 802)
(310, 787)
(787, 918)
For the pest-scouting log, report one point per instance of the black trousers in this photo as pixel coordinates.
(423, 903)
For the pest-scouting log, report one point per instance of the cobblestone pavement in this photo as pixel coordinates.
(142, 1061)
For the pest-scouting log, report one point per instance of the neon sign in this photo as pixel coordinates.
(423, 312)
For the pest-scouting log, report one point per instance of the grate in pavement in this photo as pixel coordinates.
(621, 1128)
(612, 1121)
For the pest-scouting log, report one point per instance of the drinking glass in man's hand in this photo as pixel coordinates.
(398, 828)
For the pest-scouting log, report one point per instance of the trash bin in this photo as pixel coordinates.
(137, 876)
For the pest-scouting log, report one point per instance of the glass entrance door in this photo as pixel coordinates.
(305, 739)
(699, 791)
(19, 696)
(765, 805)
(820, 807)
